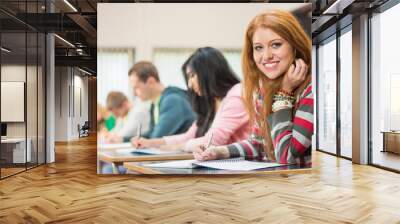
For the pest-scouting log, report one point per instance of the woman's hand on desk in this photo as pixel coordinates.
(146, 143)
(140, 142)
(113, 138)
(211, 153)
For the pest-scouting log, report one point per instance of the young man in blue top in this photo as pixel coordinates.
(170, 111)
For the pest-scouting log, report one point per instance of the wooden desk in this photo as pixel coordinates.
(115, 158)
(137, 167)
(391, 141)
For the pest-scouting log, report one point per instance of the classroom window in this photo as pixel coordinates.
(234, 58)
(170, 61)
(113, 66)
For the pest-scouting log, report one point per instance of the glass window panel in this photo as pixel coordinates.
(14, 153)
(41, 99)
(394, 101)
(31, 98)
(327, 96)
(385, 86)
(22, 64)
(346, 94)
(314, 86)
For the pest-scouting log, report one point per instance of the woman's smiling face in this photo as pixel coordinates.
(272, 54)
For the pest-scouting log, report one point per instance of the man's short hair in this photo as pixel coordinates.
(144, 70)
(115, 100)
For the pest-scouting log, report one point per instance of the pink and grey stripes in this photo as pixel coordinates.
(291, 135)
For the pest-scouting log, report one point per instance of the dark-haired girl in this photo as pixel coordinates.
(216, 96)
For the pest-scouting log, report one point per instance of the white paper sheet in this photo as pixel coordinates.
(236, 164)
(180, 164)
(223, 164)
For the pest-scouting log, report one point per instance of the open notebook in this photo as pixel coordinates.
(224, 164)
(149, 151)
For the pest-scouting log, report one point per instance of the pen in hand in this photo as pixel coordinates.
(204, 147)
(139, 134)
(209, 142)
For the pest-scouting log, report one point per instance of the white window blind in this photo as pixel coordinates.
(113, 66)
(170, 61)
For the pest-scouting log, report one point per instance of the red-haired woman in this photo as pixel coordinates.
(276, 64)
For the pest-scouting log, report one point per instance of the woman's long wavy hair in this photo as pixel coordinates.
(215, 78)
(288, 27)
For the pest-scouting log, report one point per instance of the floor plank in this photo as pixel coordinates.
(70, 191)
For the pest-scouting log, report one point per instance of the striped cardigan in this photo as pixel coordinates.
(291, 136)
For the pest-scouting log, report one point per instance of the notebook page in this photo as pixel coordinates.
(115, 146)
(236, 164)
(180, 164)
(126, 151)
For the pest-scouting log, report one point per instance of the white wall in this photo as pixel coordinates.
(61, 113)
(67, 115)
(167, 34)
(12, 73)
(80, 83)
(177, 25)
(33, 125)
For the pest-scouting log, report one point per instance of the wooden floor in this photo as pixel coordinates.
(386, 159)
(10, 171)
(5, 172)
(70, 191)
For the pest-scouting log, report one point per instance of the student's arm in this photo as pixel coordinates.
(131, 125)
(228, 120)
(181, 138)
(251, 148)
(141, 115)
(173, 115)
(292, 136)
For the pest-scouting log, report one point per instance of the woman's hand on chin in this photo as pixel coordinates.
(295, 75)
